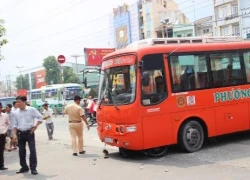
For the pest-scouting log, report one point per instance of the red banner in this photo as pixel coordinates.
(40, 78)
(94, 56)
(22, 92)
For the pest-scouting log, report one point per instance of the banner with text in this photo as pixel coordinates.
(94, 56)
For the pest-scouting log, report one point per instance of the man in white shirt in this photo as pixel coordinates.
(47, 113)
(4, 125)
(10, 131)
(15, 107)
(24, 129)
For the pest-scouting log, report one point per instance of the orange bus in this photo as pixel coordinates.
(174, 91)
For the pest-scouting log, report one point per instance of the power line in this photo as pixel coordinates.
(44, 20)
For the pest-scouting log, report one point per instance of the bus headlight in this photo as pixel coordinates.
(131, 129)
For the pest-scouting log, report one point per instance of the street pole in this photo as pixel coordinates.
(76, 57)
(20, 72)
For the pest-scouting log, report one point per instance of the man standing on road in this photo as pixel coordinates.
(47, 113)
(24, 131)
(75, 116)
(10, 131)
(4, 125)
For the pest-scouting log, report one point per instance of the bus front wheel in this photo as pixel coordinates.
(191, 136)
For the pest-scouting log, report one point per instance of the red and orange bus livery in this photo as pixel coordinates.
(174, 91)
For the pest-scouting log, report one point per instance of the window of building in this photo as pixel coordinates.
(189, 35)
(148, 34)
(154, 80)
(224, 12)
(226, 69)
(236, 30)
(235, 10)
(189, 72)
(248, 36)
(179, 35)
(246, 56)
(164, 4)
(205, 31)
(224, 31)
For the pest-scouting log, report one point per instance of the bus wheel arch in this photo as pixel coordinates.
(192, 134)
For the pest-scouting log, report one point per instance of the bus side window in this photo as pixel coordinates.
(189, 72)
(226, 69)
(247, 64)
(155, 90)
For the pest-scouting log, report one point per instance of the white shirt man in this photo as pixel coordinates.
(47, 113)
(4, 125)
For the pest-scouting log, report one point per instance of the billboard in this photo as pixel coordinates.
(40, 78)
(94, 56)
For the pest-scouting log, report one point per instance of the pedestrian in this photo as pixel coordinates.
(75, 116)
(10, 132)
(55, 110)
(24, 132)
(4, 125)
(14, 107)
(47, 113)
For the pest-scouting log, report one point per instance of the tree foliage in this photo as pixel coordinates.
(92, 93)
(53, 70)
(22, 82)
(70, 76)
(2, 34)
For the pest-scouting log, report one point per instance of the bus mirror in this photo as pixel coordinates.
(145, 79)
(85, 82)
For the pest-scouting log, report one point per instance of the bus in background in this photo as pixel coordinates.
(57, 95)
(174, 91)
(7, 100)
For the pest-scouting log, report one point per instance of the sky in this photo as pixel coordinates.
(39, 28)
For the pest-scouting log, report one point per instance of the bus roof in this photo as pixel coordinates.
(170, 45)
(3, 98)
(55, 86)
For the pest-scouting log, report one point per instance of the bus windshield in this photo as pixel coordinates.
(117, 85)
(72, 92)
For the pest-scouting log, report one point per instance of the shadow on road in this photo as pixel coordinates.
(215, 150)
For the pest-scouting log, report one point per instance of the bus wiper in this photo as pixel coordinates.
(113, 99)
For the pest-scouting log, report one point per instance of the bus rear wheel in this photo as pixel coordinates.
(191, 136)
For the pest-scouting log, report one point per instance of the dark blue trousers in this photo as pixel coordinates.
(23, 138)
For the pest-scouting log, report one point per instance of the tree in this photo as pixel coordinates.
(22, 82)
(2, 34)
(70, 76)
(92, 93)
(53, 70)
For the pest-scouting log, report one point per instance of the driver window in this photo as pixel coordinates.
(154, 81)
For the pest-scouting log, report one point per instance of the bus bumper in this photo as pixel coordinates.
(123, 136)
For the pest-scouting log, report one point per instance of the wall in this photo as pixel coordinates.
(183, 30)
(134, 22)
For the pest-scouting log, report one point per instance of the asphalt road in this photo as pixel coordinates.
(224, 158)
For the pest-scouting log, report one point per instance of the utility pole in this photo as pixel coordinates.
(20, 72)
(76, 57)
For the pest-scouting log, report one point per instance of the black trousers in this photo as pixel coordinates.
(23, 138)
(2, 145)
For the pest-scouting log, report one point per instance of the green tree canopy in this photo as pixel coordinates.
(2, 34)
(22, 82)
(70, 76)
(53, 70)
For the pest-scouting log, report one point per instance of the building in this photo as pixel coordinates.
(144, 19)
(125, 21)
(245, 18)
(204, 27)
(158, 18)
(183, 30)
(226, 18)
(37, 75)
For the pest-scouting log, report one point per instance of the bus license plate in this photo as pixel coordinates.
(108, 140)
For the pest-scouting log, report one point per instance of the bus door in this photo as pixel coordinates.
(157, 126)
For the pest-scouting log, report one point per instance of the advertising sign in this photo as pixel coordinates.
(121, 61)
(40, 78)
(22, 92)
(94, 56)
